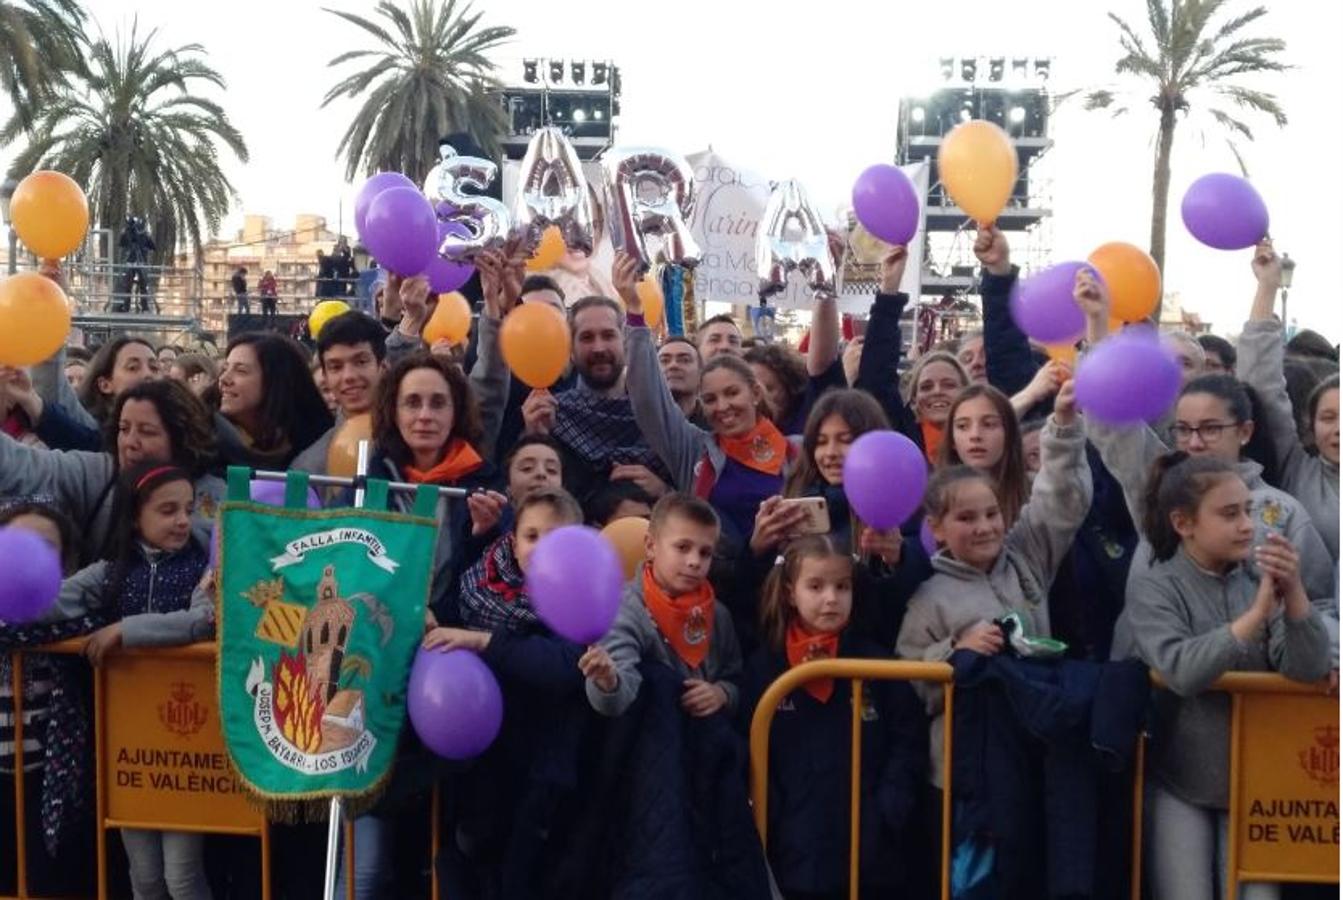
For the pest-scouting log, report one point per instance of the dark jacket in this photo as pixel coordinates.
(457, 547)
(1041, 755)
(809, 777)
(685, 830)
(879, 365)
(61, 431)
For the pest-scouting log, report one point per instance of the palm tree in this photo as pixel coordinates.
(40, 41)
(428, 77)
(132, 133)
(1192, 61)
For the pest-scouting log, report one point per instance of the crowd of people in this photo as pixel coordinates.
(1064, 556)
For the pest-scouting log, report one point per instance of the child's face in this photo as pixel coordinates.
(1221, 530)
(165, 517)
(978, 433)
(680, 552)
(1326, 426)
(40, 526)
(972, 527)
(535, 523)
(534, 466)
(1209, 413)
(823, 593)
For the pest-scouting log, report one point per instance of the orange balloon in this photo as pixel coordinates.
(1062, 353)
(655, 305)
(549, 252)
(342, 455)
(1132, 277)
(978, 166)
(627, 536)
(451, 320)
(534, 340)
(1114, 325)
(50, 214)
(34, 319)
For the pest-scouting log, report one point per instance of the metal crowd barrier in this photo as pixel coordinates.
(1284, 751)
(1284, 763)
(165, 694)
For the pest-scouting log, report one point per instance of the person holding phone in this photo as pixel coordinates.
(738, 466)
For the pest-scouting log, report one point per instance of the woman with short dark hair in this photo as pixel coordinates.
(269, 408)
(426, 427)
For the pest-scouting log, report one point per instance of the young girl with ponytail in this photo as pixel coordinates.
(805, 611)
(1196, 613)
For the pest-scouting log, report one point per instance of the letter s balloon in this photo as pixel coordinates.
(485, 219)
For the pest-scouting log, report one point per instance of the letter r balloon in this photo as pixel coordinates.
(793, 238)
(650, 194)
(552, 190)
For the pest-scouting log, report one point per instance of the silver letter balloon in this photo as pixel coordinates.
(650, 194)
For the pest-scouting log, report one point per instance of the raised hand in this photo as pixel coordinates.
(992, 251)
(893, 269)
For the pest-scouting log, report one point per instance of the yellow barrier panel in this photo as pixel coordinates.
(1283, 821)
(856, 670)
(160, 758)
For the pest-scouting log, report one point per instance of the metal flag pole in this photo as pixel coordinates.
(335, 816)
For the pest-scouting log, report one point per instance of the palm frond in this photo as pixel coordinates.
(432, 77)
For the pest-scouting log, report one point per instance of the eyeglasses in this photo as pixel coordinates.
(1207, 432)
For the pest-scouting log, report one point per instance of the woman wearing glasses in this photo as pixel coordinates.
(1213, 418)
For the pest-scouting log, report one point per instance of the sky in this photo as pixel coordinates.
(811, 91)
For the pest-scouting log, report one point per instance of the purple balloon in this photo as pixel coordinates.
(885, 474)
(926, 538)
(371, 188)
(1224, 211)
(32, 575)
(214, 545)
(1127, 378)
(446, 275)
(401, 231)
(272, 494)
(575, 579)
(454, 703)
(886, 203)
(1044, 308)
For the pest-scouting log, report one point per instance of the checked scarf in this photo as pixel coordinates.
(602, 431)
(493, 592)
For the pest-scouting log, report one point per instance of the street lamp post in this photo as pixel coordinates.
(1288, 267)
(7, 194)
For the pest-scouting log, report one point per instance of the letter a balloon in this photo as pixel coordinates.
(978, 166)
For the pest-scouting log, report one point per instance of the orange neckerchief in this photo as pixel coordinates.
(803, 646)
(763, 448)
(686, 622)
(932, 440)
(460, 460)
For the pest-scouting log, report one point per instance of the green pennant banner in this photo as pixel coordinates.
(320, 613)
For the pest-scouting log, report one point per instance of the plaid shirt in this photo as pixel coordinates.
(602, 431)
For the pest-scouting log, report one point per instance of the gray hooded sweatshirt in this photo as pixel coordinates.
(1305, 476)
(1177, 619)
(958, 596)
